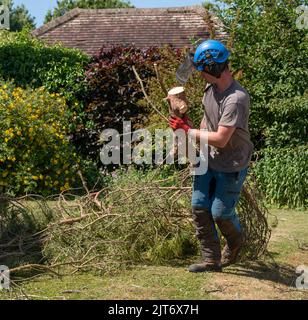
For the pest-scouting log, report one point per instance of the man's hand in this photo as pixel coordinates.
(178, 123)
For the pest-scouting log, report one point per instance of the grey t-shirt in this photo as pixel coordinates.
(231, 109)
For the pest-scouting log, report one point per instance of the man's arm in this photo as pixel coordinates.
(217, 139)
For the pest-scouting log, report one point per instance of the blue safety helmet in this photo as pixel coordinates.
(211, 56)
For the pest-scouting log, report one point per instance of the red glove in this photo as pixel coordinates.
(178, 123)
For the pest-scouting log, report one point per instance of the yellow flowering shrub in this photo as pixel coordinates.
(35, 153)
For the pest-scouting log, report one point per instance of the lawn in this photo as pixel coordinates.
(273, 277)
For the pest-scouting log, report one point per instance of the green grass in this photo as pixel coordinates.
(270, 278)
(290, 235)
(143, 282)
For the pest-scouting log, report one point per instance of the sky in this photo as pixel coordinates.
(39, 8)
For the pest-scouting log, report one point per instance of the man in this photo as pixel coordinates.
(216, 193)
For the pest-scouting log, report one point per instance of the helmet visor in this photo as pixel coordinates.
(186, 69)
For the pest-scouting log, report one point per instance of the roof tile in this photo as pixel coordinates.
(90, 29)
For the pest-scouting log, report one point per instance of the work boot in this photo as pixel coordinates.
(210, 244)
(234, 240)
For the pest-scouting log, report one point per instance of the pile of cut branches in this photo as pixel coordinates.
(135, 220)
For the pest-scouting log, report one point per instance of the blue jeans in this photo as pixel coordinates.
(219, 192)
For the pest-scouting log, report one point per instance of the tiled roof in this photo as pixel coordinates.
(89, 29)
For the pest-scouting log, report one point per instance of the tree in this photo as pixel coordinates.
(270, 51)
(19, 16)
(63, 6)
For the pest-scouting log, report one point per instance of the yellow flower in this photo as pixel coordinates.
(35, 177)
(9, 133)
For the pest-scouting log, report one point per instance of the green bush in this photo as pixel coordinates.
(283, 176)
(289, 122)
(29, 62)
(35, 154)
